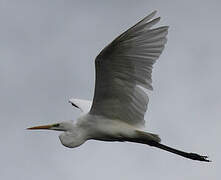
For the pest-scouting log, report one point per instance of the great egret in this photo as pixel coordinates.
(123, 72)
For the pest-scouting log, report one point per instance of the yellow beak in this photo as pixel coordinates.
(41, 127)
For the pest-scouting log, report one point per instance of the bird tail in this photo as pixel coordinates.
(154, 140)
(146, 136)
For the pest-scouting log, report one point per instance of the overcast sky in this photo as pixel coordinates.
(47, 52)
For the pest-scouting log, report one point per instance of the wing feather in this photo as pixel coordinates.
(123, 68)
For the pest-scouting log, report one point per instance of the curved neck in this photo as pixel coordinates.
(73, 138)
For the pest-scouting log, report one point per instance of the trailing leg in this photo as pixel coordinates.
(154, 140)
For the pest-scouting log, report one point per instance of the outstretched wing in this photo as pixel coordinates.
(83, 105)
(123, 67)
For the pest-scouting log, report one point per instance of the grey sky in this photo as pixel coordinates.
(47, 51)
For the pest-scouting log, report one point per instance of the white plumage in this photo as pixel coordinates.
(123, 71)
(83, 105)
(123, 65)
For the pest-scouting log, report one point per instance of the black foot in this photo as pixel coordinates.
(198, 157)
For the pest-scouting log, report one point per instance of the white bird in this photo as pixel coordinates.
(123, 72)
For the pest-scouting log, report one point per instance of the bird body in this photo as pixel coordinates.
(88, 127)
(123, 74)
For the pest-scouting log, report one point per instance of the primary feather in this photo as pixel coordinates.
(123, 66)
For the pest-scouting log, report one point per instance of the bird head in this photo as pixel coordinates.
(72, 136)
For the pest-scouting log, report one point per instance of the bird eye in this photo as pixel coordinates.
(56, 125)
